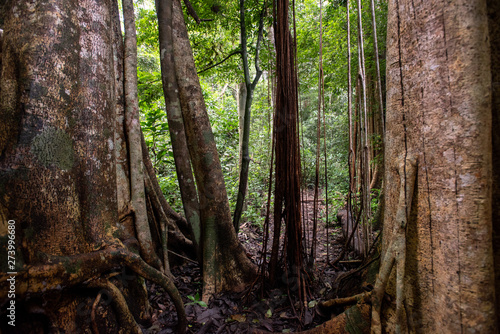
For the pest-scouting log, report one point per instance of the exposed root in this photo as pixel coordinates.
(396, 251)
(125, 318)
(363, 298)
(354, 320)
(95, 329)
(65, 271)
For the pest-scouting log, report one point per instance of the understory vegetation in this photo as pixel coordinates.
(216, 39)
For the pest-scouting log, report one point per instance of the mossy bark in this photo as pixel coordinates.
(60, 98)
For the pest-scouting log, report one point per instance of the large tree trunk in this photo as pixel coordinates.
(439, 110)
(60, 101)
(225, 264)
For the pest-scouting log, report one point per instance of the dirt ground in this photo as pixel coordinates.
(272, 311)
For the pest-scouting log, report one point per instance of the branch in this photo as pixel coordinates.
(258, 70)
(193, 13)
(223, 60)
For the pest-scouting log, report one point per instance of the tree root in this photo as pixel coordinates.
(395, 255)
(60, 272)
(363, 298)
(396, 252)
(354, 320)
(125, 318)
(95, 329)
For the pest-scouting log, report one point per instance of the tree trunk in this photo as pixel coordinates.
(133, 126)
(287, 180)
(225, 264)
(439, 109)
(175, 121)
(249, 90)
(60, 101)
(241, 99)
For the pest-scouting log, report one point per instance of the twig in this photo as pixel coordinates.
(223, 60)
(181, 256)
(192, 12)
(351, 261)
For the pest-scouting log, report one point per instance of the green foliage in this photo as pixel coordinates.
(212, 41)
(195, 300)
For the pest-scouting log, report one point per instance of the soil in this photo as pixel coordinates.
(271, 311)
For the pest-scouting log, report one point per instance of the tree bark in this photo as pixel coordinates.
(133, 126)
(61, 95)
(287, 206)
(54, 168)
(225, 264)
(439, 108)
(175, 120)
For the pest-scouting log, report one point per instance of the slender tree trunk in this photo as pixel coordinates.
(249, 89)
(241, 98)
(133, 126)
(377, 65)
(318, 138)
(365, 168)
(351, 157)
(225, 264)
(439, 108)
(175, 121)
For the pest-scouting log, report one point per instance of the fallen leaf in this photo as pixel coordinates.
(239, 317)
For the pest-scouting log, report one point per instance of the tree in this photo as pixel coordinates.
(63, 108)
(225, 264)
(438, 148)
(245, 106)
(287, 208)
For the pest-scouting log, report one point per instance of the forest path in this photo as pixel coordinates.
(240, 313)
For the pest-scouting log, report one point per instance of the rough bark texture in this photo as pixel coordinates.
(60, 98)
(53, 169)
(225, 264)
(439, 107)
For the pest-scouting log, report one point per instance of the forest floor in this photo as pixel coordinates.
(243, 312)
